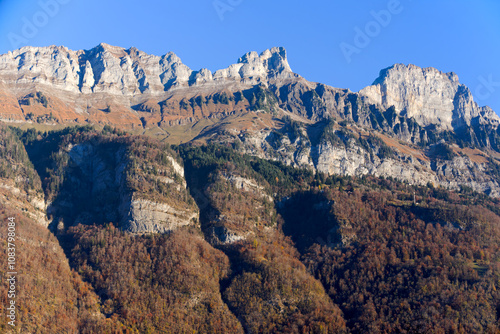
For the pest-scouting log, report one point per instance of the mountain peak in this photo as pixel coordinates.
(403, 69)
(273, 60)
(428, 95)
(114, 50)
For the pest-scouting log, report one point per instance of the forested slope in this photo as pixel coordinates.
(246, 245)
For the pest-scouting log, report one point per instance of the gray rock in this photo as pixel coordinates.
(117, 71)
(427, 95)
(142, 216)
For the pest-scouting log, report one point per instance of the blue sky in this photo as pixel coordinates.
(462, 36)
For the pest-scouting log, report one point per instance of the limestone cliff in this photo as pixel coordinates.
(128, 72)
(427, 95)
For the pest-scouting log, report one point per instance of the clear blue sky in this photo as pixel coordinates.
(462, 36)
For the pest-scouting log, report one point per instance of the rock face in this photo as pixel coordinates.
(97, 173)
(93, 85)
(143, 216)
(127, 88)
(359, 156)
(429, 96)
(253, 67)
(125, 79)
(117, 71)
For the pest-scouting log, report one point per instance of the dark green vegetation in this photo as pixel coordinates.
(274, 250)
(15, 164)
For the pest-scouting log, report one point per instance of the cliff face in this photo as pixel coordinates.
(156, 199)
(354, 152)
(129, 72)
(78, 86)
(427, 95)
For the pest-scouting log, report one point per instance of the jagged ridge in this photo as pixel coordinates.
(114, 70)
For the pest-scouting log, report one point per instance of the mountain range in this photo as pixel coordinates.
(401, 126)
(150, 198)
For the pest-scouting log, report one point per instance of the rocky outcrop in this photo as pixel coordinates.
(429, 96)
(165, 210)
(246, 185)
(20, 185)
(143, 216)
(253, 68)
(31, 203)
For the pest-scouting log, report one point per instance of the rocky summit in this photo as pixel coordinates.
(414, 124)
(429, 96)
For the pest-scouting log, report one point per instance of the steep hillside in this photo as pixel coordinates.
(270, 290)
(93, 178)
(50, 296)
(203, 238)
(20, 186)
(397, 267)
